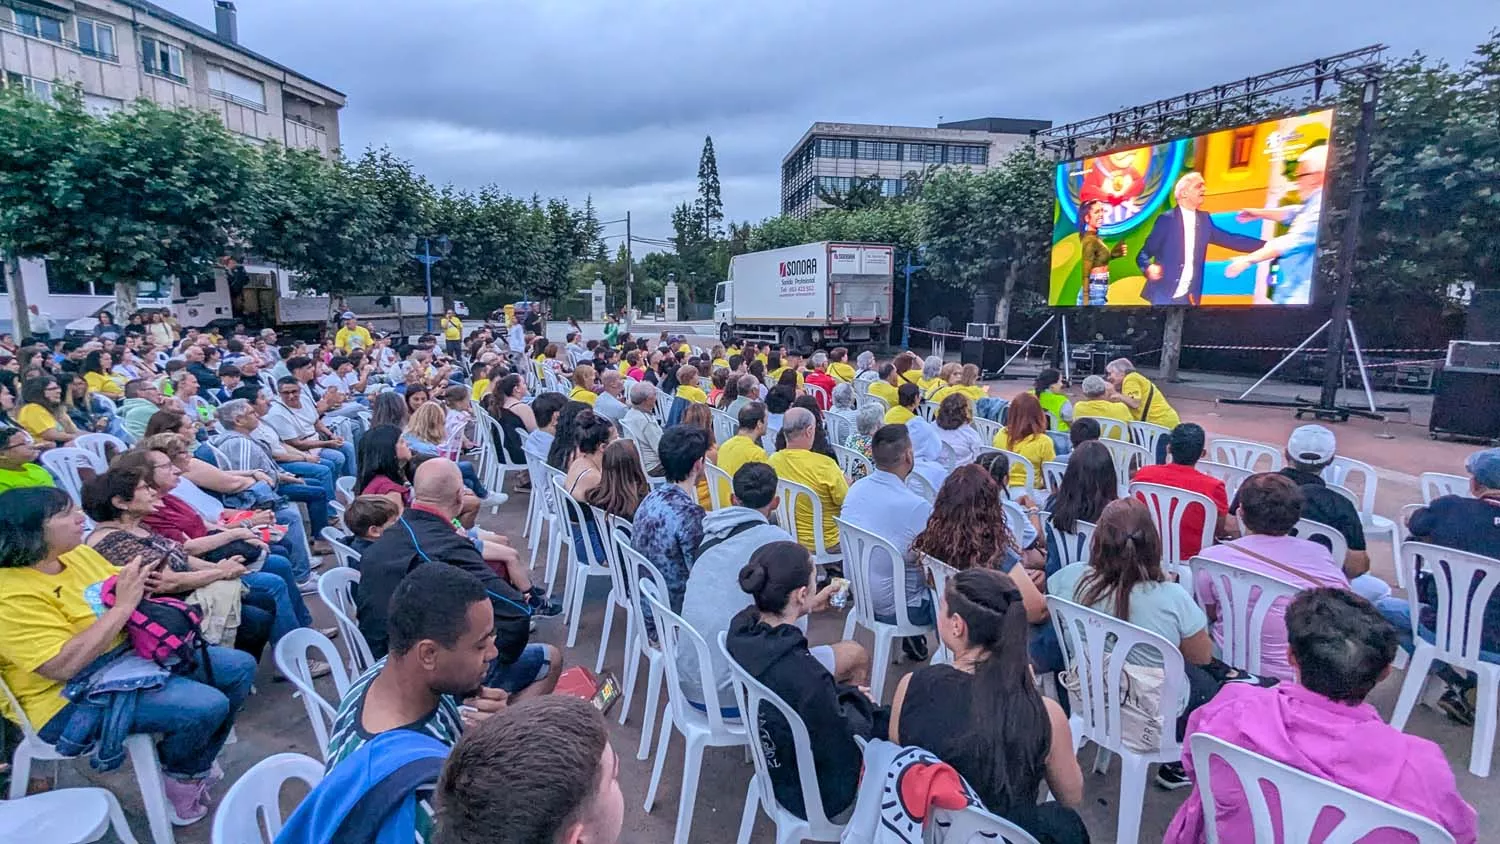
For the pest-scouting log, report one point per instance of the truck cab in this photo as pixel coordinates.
(724, 311)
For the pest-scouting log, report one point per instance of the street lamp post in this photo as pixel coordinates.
(427, 259)
(906, 311)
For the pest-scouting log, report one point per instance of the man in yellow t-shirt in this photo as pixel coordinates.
(1096, 403)
(799, 464)
(453, 334)
(744, 447)
(353, 335)
(1136, 392)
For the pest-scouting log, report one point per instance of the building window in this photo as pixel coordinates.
(159, 58)
(1242, 148)
(925, 153)
(65, 284)
(879, 151)
(892, 187)
(97, 39)
(101, 106)
(39, 26)
(835, 148)
(37, 88)
(958, 154)
(236, 87)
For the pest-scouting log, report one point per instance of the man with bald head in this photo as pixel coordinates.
(1299, 246)
(611, 402)
(818, 472)
(1172, 258)
(425, 535)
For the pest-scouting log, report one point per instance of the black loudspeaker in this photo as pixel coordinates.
(989, 357)
(1466, 404)
(1482, 320)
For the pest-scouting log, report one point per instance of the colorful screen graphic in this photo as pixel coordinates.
(1226, 218)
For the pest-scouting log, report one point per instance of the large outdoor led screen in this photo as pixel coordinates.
(1226, 218)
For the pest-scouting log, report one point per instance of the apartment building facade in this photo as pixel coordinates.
(117, 51)
(831, 156)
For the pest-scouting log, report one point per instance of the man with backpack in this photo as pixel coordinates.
(397, 722)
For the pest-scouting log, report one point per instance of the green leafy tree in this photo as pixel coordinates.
(863, 192)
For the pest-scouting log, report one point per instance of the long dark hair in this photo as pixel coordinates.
(730, 392)
(1008, 735)
(34, 391)
(1044, 379)
(1087, 487)
(565, 441)
(622, 482)
(967, 527)
(23, 517)
(389, 408)
(377, 457)
(1126, 551)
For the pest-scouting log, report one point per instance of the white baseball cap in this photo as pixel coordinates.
(1312, 444)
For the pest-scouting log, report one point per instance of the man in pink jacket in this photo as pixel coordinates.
(1340, 647)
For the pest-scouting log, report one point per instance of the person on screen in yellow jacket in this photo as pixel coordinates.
(1025, 433)
(1136, 392)
(1096, 403)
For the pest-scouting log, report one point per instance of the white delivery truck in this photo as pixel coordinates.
(808, 296)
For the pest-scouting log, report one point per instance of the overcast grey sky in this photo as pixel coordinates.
(613, 97)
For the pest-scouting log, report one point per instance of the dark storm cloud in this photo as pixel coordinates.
(576, 97)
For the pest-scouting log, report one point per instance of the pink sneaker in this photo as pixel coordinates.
(183, 799)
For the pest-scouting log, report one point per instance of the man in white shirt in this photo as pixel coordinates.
(882, 504)
(515, 337)
(1172, 258)
(640, 424)
(611, 402)
(299, 427)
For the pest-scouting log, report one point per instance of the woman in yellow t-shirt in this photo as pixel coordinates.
(907, 369)
(54, 624)
(942, 385)
(1025, 433)
(96, 371)
(908, 398)
(43, 415)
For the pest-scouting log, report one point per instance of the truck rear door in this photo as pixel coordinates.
(860, 283)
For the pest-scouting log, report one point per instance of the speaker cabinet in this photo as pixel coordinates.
(1466, 404)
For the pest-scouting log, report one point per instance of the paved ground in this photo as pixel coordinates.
(275, 722)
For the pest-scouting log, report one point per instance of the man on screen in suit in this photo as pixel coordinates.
(1173, 256)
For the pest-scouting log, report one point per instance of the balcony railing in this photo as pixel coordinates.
(101, 55)
(231, 98)
(164, 74)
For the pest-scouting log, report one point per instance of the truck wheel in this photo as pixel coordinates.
(726, 334)
(791, 338)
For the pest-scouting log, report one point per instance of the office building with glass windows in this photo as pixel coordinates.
(833, 156)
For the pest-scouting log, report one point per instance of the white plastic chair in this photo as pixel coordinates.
(927, 410)
(718, 482)
(291, 659)
(868, 398)
(65, 816)
(1168, 505)
(1456, 636)
(1303, 798)
(250, 812)
(584, 564)
(794, 497)
(1232, 476)
(344, 487)
(921, 486)
(938, 573)
(345, 555)
(753, 696)
(1246, 454)
(1338, 546)
(969, 825)
(1095, 646)
(1244, 599)
(860, 547)
(141, 748)
(1407, 511)
(1148, 435)
(1071, 547)
(539, 514)
(638, 644)
(1052, 475)
(559, 533)
(67, 465)
(849, 459)
(337, 508)
(495, 462)
(840, 426)
(988, 428)
(100, 445)
(1129, 458)
(700, 729)
(725, 426)
(336, 588)
(1436, 485)
(819, 394)
(1110, 428)
(1345, 469)
(1026, 466)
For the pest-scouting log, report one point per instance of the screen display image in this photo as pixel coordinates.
(1225, 218)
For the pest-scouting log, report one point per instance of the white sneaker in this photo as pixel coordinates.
(497, 498)
(308, 586)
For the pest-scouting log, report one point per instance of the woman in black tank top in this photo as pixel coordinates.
(983, 715)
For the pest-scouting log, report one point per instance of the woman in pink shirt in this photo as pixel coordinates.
(1341, 647)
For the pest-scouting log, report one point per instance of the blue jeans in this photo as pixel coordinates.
(190, 713)
(273, 587)
(316, 500)
(533, 666)
(293, 547)
(317, 474)
(333, 460)
(471, 479)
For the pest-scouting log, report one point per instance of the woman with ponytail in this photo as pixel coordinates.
(983, 715)
(818, 683)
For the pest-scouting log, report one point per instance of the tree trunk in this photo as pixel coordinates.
(20, 313)
(1002, 306)
(1171, 343)
(126, 295)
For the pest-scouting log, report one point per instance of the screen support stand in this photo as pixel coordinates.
(1335, 358)
(1067, 356)
(1032, 339)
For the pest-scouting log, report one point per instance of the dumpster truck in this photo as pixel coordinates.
(809, 296)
